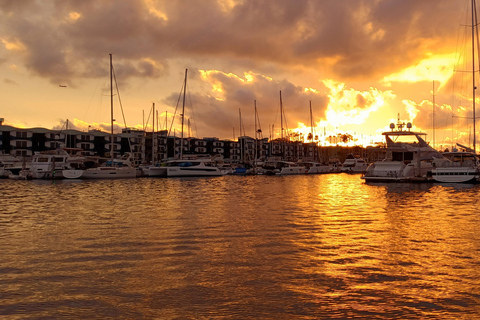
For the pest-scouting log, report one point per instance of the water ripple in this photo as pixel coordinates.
(303, 247)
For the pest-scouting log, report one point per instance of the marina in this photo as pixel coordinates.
(406, 157)
(237, 247)
(239, 160)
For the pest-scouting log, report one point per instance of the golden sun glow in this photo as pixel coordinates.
(438, 68)
(346, 106)
(349, 106)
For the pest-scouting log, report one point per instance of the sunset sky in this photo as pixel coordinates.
(361, 63)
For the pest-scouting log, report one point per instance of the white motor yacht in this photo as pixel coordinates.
(192, 168)
(408, 157)
(51, 164)
(312, 167)
(354, 164)
(280, 167)
(457, 167)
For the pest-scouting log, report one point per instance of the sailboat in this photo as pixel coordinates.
(156, 168)
(462, 166)
(112, 169)
(194, 166)
(284, 166)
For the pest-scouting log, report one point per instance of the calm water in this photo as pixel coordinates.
(298, 247)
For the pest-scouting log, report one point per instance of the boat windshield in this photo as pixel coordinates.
(411, 138)
(405, 138)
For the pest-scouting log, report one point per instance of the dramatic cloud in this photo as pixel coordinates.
(229, 95)
(348, 38)
(355, 60)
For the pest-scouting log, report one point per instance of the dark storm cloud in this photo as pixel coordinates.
(364, 37)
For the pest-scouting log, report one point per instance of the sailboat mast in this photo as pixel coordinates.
(433, 112)
(311, 119)
(66, 134)
(183, 113)
(111, 108)
(255, 159)
(311, 127)
(473, 71)
(241, 147)
(281, 126)
(153, 134)
(281, 116)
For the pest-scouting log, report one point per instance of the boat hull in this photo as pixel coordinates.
(72, 174)
(193, 172)
(455, 175)
(107, 173)
(155, 171)
(292, 170)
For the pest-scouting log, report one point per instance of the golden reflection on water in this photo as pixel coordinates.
(325, 246)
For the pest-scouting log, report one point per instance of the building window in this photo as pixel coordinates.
(21, 144)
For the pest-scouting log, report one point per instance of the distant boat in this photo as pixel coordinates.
(111, 169)
(201, 167)
(281, 167)
(354, 164)
(10, 164)
(313, 167)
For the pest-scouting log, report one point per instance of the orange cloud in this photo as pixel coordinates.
(350, 106)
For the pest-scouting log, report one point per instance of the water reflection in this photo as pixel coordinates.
(326, 246)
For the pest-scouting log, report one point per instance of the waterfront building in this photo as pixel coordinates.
(159, 146)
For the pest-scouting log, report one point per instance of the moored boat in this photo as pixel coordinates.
(10, 164)
(408, 157)
(280, 167)
(192, 168)
(354, 164)
(51, 164)
(115, 168)
(313, 167)
(458, 167)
